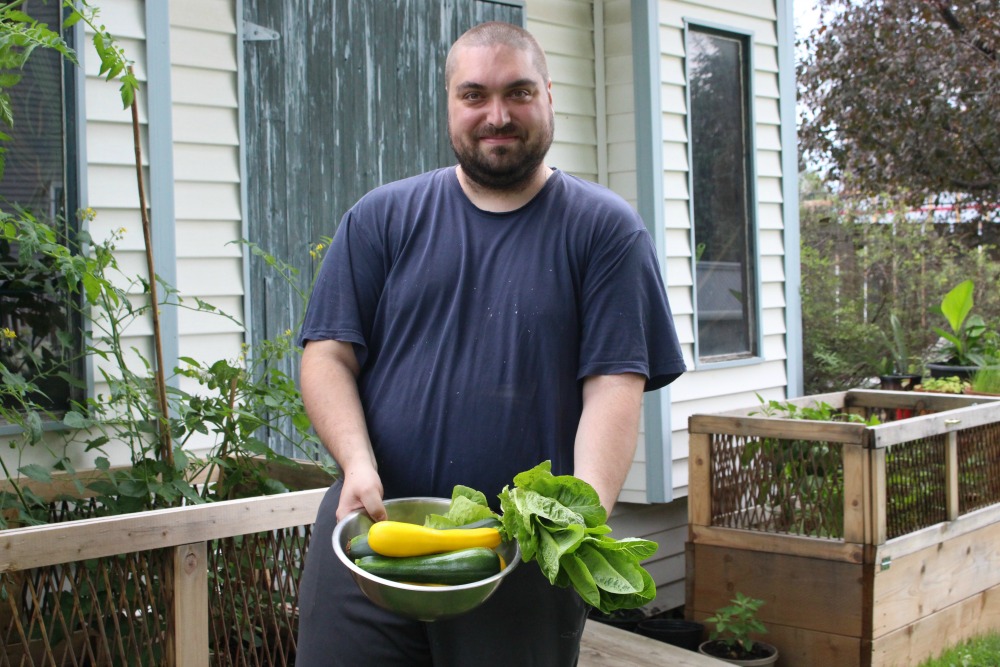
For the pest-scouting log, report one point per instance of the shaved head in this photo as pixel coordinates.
(498, 33)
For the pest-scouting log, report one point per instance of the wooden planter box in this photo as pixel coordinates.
(206, 584)
(870, 545)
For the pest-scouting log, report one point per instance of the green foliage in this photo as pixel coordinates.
(21, 35)
(862, 265)
(964, 346)
(981, 651)
(946, 385)
(227, 403)
(900, 98)
(986, 380)
(734, 623)
(805, 479)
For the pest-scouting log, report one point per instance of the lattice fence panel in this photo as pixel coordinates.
(253, 597)
(978, 467)
(916, 495)
(778, 486)
(101, 612)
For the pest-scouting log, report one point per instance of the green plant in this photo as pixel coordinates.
(734, 623)
(898, 360)
(983, 651)
(226, 402)
(803, 480)
(946, 385)
(963, 343)
(986, 380)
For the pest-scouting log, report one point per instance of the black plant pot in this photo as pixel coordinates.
(949, 370)
(902, 382)
(623, 619)
(675, 631)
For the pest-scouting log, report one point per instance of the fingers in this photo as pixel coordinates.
(362, 490)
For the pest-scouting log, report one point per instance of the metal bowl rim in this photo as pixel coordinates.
(337, 549)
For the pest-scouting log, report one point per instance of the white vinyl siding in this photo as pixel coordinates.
(565, 30)
(206, 186)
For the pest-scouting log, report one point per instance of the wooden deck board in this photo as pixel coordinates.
(605, 646)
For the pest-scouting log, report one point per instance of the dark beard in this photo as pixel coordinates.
(510, 177)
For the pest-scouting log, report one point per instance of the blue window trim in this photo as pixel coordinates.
(752, 205)
(790, 198)
(657, 425)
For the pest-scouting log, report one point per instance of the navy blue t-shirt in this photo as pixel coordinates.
(474, 330)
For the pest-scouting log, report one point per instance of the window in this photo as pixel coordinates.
(722, 199)
(37, 321)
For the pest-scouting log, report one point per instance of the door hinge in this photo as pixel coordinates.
(258, 33)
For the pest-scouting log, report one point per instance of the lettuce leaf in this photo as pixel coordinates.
(467, 506)
(559, 523)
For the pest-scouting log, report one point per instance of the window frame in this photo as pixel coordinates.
(754, 314)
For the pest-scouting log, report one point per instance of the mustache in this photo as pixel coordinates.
(494, 131)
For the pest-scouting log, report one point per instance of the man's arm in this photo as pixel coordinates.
(330, 394)
(608, 432)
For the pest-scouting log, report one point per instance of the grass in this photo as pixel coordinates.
(979, 652)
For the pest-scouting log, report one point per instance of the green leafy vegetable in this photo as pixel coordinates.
(559, 523)
(467, 506)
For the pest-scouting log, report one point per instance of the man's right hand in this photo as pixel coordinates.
(362, 490)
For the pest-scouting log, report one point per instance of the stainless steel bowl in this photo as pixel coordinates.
(423, 603)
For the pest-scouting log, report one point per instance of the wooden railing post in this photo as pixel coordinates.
(188, 644)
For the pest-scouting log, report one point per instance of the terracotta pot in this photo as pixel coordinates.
(717, 649)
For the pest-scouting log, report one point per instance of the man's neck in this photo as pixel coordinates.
(503, 201)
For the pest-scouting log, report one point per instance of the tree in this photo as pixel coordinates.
(902, 97)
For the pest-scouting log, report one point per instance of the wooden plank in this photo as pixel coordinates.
(605, 646)
(808, 593)
(855, 491)
(924, 582)
(938, 533)
(924, 426)
(774, 427)
(879, 519)
(794, 545)
(951, 475)
(699, 480)
(929, 636)
(189, 642)
(25, 548)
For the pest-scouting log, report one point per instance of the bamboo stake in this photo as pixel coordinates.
(166, 447)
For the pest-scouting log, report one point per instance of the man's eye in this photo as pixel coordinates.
(521, 94)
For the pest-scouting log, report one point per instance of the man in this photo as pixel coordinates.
(467, 324)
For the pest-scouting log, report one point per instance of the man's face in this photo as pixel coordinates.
(499, 116)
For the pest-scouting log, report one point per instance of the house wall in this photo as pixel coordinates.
(189, 138)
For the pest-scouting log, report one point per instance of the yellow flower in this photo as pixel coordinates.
(7, 333)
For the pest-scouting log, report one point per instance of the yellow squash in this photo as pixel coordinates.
(398, 539)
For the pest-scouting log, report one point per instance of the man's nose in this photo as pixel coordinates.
(498, 115)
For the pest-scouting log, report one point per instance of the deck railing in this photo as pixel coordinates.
(207, 584)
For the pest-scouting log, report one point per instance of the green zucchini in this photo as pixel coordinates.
(450, 568)
(357, 547)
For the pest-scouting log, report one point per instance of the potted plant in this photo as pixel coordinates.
(943, 385)
(898, 372)
(964, 346)
(730, 640)
(985, 381)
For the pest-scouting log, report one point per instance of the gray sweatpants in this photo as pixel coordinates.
(526, 622)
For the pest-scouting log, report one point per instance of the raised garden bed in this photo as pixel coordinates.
(871, 545)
